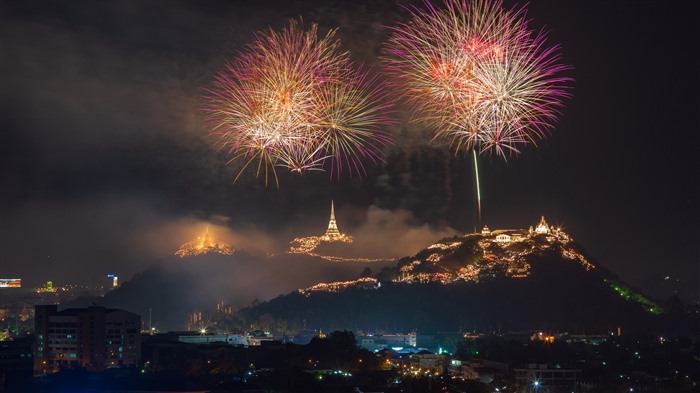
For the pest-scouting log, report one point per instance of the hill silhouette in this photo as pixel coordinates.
(174, 288)
(498, 281)
(472, 282)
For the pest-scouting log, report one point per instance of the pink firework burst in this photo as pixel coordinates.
(293, 100)
(477, 75)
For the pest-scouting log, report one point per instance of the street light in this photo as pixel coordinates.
(536, 384)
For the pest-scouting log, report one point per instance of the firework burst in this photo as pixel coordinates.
(477, 75)
(293, 100)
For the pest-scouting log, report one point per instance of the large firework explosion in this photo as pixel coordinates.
(477, 75)
(294, 100)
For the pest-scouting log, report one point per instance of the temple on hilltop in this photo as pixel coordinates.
(204, 245)
(506, 236)
(332, 233)
(542, 228)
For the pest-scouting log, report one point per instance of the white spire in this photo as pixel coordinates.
(332, 232)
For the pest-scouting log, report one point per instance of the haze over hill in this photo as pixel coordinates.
(175, 288)
(501, 279)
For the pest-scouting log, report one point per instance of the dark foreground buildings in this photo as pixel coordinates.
(94, 338)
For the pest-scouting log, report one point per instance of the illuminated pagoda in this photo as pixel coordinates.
(542, 228)
(332, 233)
(204, 245)
(307, 245)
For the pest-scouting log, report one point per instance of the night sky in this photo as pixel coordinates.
(106, 165)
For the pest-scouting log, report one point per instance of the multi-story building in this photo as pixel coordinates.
(462, 369)
(428, 361)
(94, 338)
(539, 377)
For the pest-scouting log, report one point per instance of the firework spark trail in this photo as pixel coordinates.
(293, 100)
(477, 75)
(478, 189)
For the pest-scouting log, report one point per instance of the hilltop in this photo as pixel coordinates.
(538, 278)
(491, 281)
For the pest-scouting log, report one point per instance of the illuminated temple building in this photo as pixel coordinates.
(542, 228)
(332, 233)
(307, 245)
(506, 250)
(204, 245)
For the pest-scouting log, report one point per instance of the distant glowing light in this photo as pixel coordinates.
(205, 244)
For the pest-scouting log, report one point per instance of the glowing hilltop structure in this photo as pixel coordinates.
(204, 245)
(332, 233)
(542, 228)
(307, 245)
(504, 250)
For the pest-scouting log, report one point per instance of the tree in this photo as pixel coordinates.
(366, 272)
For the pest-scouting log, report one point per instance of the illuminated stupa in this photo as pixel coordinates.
(307, 245)
(332, 233)
(204, 245)
(542, 228)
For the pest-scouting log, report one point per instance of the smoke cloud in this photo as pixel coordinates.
(388, 233)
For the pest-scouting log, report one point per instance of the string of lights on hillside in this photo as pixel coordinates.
(503, 251)
(498, 251)
(339, 286)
